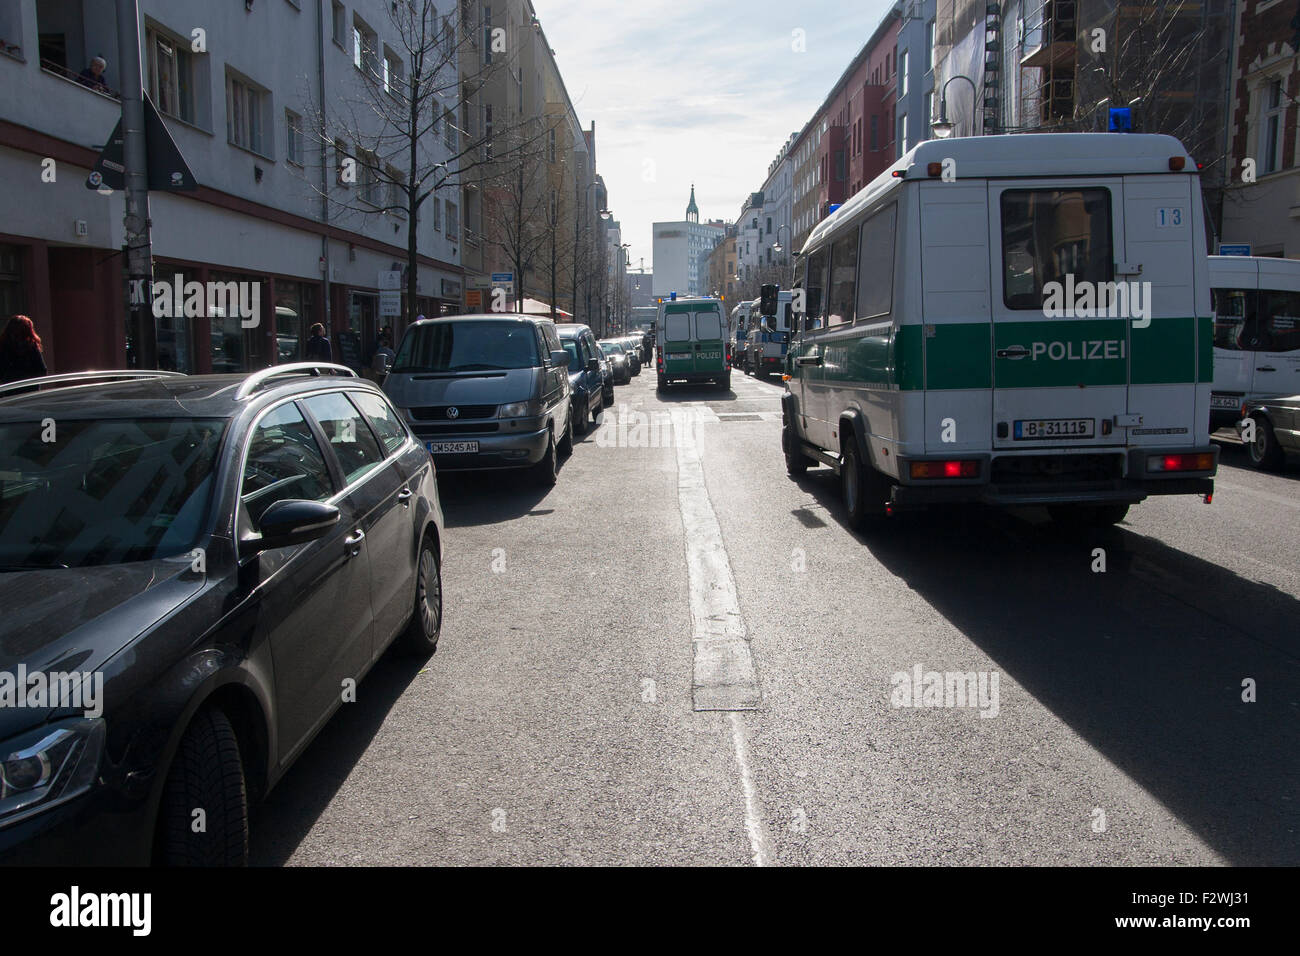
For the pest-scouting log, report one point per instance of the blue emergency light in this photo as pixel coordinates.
(1121, 119)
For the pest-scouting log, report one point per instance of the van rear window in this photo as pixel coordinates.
(1048, 234)
(708, 325)
(677, 326)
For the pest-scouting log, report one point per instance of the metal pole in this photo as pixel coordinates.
(139, 251)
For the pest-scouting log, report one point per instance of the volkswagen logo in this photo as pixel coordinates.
(453, 412)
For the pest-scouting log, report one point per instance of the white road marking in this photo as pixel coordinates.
(753, 816)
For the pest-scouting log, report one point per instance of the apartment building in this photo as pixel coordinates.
(252, 95)
(681, 252)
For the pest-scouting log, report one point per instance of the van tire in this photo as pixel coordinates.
(1264, 452)
(206, 773)
(1079, 516)
(565, 448)
(725, 382)
(663, 384)
(863, 489)
(544, 471)
(580, 428)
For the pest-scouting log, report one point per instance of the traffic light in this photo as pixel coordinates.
(767, 299)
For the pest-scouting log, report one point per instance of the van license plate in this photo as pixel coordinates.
(1039, 429)
(1225, 401)
(452, 447)
(679, 355)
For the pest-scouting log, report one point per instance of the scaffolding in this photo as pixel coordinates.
(1047, 54)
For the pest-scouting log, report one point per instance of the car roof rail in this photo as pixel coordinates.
(260, 378)
(69, 379)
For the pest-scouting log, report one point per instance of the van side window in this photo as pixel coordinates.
(1231, 307)
(1279, 314)
(1048, 234)
(876, 283)
(844, 275)
(814, 313)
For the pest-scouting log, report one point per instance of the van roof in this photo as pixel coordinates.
(1016, 155)
(486, 317)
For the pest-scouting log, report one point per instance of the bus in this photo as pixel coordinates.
(1009, 320)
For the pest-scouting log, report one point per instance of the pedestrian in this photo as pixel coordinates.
(384, 355)
(318, 346)
(20, 351)
(93, 75)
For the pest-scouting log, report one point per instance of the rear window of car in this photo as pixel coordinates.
(467, 347)
(84, 493)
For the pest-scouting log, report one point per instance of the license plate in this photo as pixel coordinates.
(452, 447)
(1039, 429)
(1225, 401)
(679, 355)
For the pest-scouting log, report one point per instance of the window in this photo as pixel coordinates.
(1279, 314)
(815, 283)
(453, 220)
(1231, 307)
(769, 225)
(929, 44)
(929, 116)
(340, 157)
(902, 134)
(284, 461)
(844, 274)
(389, 428)
(902, 74)
(448, 130)
(437, 214)
(487, 131)
(708, 325)
(365, 47)
(245, 108)
(392, 73)
(396, 187)
(1270, 144)
(368, 177)
(487, 35)
(1049, 233)
(550, 144)
(353, 442)
(171, 75)
(339, 21)
(677, 327)
(293, 137)
(876, 283)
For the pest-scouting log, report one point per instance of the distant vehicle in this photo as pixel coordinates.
(618, 360)
(586, 383)
(1256, 332)
(243, 547)
(769, 338)
(691, 342)
(486, 392)
(1276, 430)
(633, 355)
(969, 381)
(740, 335)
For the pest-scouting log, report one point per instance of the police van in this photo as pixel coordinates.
(691, 341)
(739, 335)
(1014, 320)
(770, 337)
(1256, 332)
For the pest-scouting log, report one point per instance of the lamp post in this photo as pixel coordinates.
(777, 247)
(943, 127)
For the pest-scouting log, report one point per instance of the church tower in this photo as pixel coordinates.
(692, 210)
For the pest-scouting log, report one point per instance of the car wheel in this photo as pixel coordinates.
(206, 774)
(544, 470)
(566, 443)
(597, 414)
(725, 382)
(796, 462)
(580, 428)
(1076, 516)
(1265, 453)
(607, 396)
(421, 635)
(863, 490)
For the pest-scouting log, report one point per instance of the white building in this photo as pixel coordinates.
(681, 253)
(776, 222)
(239, 87)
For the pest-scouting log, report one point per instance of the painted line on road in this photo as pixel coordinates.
(753, 816)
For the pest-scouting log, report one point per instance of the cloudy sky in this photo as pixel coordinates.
(702, 91)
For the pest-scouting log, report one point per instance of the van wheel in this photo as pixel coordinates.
(580, 428)
(725, 382)
(663, 384)
(420, 639)
(1087, 516)
(544, 470)
(864, 489)
(566, 443)
(1265, 453)
(206, 775)
(796, 462)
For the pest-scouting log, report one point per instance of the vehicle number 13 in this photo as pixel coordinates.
(1168, 217)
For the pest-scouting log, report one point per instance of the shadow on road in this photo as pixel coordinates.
(1145, 661)
(488, 497)
(684, 392)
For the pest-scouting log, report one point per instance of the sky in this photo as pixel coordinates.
(696, 91)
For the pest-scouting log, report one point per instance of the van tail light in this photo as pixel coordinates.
(1194, 462)
(958, 468)
(1176, 163)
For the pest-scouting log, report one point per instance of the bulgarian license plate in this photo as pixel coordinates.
(452, 447)
(1225, 401)
(1038, 429)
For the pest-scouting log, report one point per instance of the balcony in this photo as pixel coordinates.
(1050, 43)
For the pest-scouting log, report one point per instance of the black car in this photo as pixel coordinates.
(1274, 425)
(205, 566)
(586, 381)
(618, 361)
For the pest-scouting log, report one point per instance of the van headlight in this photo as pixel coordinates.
(529, 409)
(47, 766)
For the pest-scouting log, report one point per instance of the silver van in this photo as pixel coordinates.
(486, 392)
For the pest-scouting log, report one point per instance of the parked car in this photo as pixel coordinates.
(617, 356)
(486, 392)
(208, 562)
(1276, 431)
(586, 384)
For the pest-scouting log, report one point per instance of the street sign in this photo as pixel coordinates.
(503, 278)
(390, 294)
(166, 167)
(473, 300)
(1234, 248)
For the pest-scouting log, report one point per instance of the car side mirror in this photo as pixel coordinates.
(292, 521)
(593, 365)
(560, 358)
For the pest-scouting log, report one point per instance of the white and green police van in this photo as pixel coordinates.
(1014, 320)
(691, 341)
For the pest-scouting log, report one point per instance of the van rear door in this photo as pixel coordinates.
(710, 350)
(679, 345)
(1277, 364)
(1060, 370)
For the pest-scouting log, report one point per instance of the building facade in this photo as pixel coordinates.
(681, 252)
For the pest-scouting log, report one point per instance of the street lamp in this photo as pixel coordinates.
(943, 127)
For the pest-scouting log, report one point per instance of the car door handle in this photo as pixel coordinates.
(404, 496)
(353, 542)
(809, 360)
(1265, 368)
(1016, 351)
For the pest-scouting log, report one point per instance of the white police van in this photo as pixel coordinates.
(1012, 320)
(770, 336)
(1256, 332)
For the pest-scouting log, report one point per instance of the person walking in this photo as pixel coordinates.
(20, 351)
(318, 346)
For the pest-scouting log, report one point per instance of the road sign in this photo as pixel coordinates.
(390, 294)
(1234, 248)
(503, 278)
(167, 169)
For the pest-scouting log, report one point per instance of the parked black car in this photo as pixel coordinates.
(213, 561)
(1276, 431)
(617, 356)
(586, 382)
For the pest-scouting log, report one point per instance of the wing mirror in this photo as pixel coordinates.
(560, 358)
(292, 521)
(593, 365)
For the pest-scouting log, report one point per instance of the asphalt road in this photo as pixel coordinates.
(558, 721)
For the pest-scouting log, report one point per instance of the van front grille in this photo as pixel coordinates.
(470, 428)
(438, 413)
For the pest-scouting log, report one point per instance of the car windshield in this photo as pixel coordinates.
(467, 347)
(83, 493)
(611, 348)
(575, 357)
